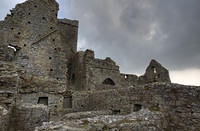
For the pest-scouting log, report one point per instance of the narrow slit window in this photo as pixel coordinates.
(73, 79)
(125, 76)
(154, 69)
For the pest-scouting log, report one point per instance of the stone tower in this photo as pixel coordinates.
(41, 43)
(35, 48)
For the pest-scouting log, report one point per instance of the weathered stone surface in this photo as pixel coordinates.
(4, 119)
(89, 73)
(27, 117)
(89, 114)
(144, 120)
(172, 99)
(155, 72)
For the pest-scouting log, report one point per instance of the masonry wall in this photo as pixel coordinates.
(179, 103)
(43, 43)
(77, 72)
(100, 70)
(129, 80)
(90, 73)
(4, 119)
(35, 48)
(26, 117)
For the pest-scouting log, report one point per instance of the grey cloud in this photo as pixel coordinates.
(134, 31)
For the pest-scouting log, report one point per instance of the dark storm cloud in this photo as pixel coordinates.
(134, 31)
(6, 6)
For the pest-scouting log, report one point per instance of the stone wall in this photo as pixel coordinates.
(4, 119)
(27, 116)
(155, 72)
(89, 73)
(42, 43)
(180, 104)
(128, 80)
(35, 47)
(77, 72)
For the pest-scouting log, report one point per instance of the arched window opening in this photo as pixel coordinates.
(125, 76)
(108, 81)
(154, 69)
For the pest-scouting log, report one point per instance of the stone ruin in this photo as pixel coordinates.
(47, 85)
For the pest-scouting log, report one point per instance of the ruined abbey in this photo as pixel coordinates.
(47, 85)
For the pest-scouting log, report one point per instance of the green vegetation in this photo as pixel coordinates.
(154, 109)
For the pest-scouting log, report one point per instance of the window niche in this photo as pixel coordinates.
(116, 111)
(67, 103)
(137, 107)
(43, 100)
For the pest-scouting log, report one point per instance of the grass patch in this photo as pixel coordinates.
(154, 109)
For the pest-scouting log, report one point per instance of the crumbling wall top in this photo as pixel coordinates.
(89, 54)
(69, 22)
(155, 72)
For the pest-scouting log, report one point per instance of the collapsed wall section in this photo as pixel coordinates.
(89, 73)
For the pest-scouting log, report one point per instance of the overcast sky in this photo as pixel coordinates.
(132, 32)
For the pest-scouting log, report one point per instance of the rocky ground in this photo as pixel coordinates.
(144, 120)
